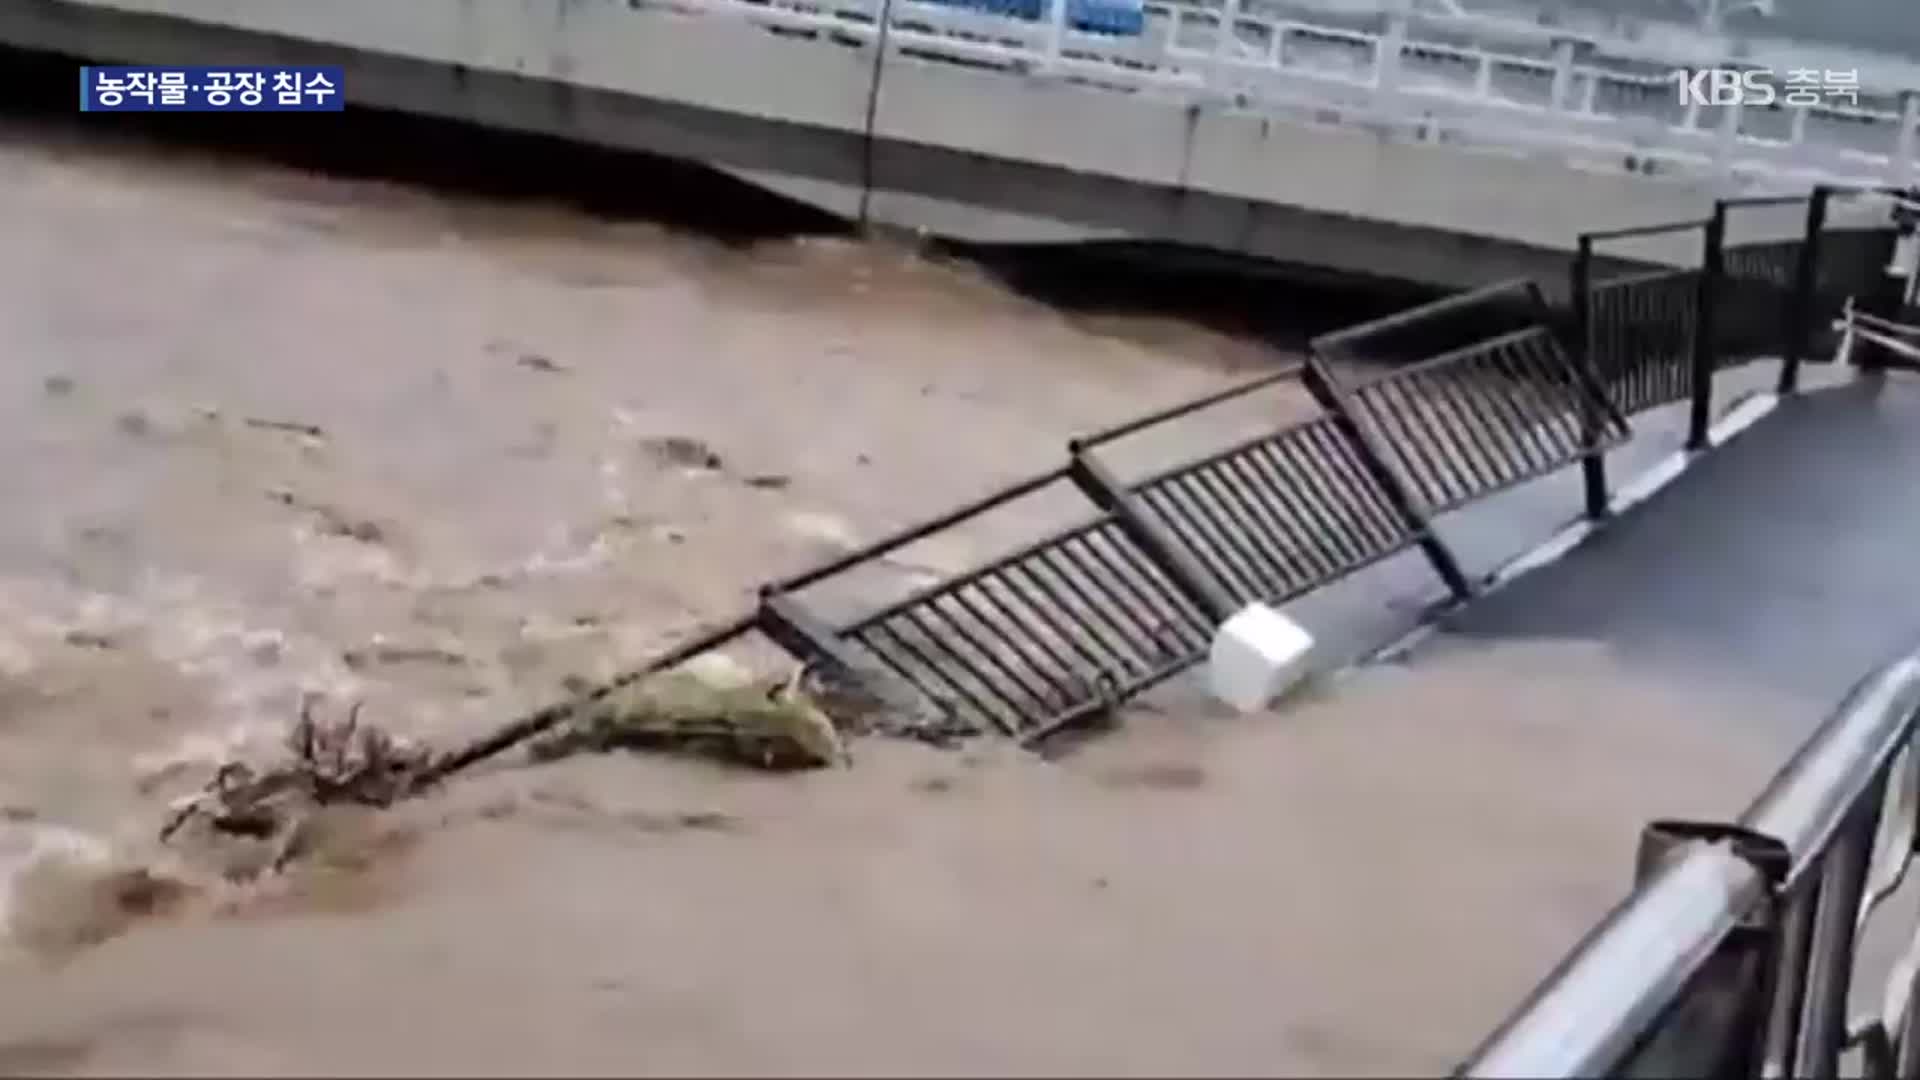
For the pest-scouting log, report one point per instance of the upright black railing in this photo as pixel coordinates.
(1640, 333)
(1416, 414)
(1702, 360)
(1757, 278)
(1802, 313)
(1645, 331)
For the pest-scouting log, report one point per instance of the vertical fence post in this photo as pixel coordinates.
(1593, 460)
(1712, 270)
(790, 625)
(1092, 477)
(1883, 296)
(1804, 303)
(1329, 397)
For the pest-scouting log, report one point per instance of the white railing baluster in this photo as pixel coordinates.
(1228, 36)
(1387, 50)
(1903, 140)
(1562, 73)
(1057, 31)
(1726, 138)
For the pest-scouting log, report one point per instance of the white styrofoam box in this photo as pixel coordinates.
(1256, 656)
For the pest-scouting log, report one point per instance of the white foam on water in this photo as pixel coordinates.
(28, 851)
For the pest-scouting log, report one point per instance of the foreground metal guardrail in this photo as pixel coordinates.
(1736, 954)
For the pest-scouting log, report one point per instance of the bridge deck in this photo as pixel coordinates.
(1786, 560)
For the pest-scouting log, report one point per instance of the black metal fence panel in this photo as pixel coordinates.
(1851, 263)
(1281, 514)
(1042, 637)
(1468, 423)
(1755, 300)
(1640, 336)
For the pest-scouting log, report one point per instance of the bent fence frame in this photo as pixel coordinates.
(1502, 390)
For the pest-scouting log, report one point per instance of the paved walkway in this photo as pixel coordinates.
(1789, 559)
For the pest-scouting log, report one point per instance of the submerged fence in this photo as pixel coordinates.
(1354, 453)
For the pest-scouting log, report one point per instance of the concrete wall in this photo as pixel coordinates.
(973, 154)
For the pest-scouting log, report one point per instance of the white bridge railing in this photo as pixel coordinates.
(1509, 85)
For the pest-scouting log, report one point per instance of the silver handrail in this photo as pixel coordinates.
(1843, 813)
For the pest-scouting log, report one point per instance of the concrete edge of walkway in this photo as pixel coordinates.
(1744, 414)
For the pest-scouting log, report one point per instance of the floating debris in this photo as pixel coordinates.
(770, 727)
(329, 763)
(267, 815)
(536, 362)
(683, 451)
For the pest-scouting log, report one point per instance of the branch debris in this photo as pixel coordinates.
(329, 763)
(271, 809)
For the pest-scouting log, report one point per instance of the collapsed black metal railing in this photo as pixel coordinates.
(1277, 515)
(1096, 612)
(1478, 419)
(1041, 638)
(1406, 418)
(1466, 424)
(1071, 625)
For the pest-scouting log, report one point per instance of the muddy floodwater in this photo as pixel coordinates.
(270, 433)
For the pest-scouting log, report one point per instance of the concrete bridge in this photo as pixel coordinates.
(1371, 144)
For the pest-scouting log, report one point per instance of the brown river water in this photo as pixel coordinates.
(271, 432)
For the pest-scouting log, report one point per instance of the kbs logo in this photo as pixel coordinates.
(1725, 86)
